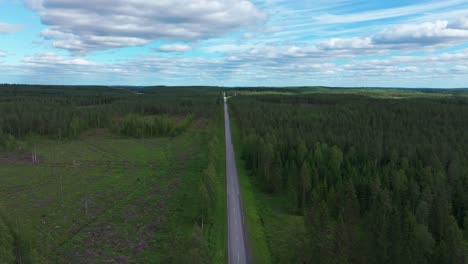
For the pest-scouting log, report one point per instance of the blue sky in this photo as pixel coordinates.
(391, 43)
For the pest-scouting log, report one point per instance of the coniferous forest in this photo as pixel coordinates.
(65, 111)
(375, 180)
(137, 175)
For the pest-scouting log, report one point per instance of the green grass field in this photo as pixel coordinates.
(282, 230)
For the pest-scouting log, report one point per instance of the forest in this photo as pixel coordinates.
(375, 179)
(65, 112)
(136, 175)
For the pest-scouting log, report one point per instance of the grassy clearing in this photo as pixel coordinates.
(173, 237)
(217, 233)
(101, 198)
(284, 232)
(258, 244)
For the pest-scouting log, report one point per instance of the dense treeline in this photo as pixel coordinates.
(150, 126)
(64, 112)
(377, 180)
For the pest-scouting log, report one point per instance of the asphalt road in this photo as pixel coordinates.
(237, 249)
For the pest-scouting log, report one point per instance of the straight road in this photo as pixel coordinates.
(237, 249)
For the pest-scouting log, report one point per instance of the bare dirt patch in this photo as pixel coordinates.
(96, 133)
(18, 158)
(199, 123)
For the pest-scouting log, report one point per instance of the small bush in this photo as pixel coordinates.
(7, 142)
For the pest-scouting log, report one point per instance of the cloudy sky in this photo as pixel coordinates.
(398, 43)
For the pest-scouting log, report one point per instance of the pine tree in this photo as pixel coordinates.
(320, 233)
(276, 175)
(379, 223)
(306, 181)
(292, 187)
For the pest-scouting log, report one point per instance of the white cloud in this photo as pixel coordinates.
(174, 48)
(460, 69)
(400, 38)
(254, 57)
(425, 66)
(227, 48)
(102, 24)
(332, 49)
(9, 28)
(3, 53)
(51, 58)
(429, 33)
(267, 66)
(347, 43)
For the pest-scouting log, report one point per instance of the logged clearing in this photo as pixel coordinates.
(98, 174)
(99, 198)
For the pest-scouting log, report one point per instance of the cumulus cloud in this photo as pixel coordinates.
(9, 28)
(398, 38)
(174, 48)
(460, 69)
(253, 57)
(51, 58)
(244, 68)
(52, 68)
(347, 43)
(3, 53)
(425, 34)
(81, 26)
(424, 65)
(332, 49)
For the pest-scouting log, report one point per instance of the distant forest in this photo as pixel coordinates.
(377, 180)
(67, 111)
